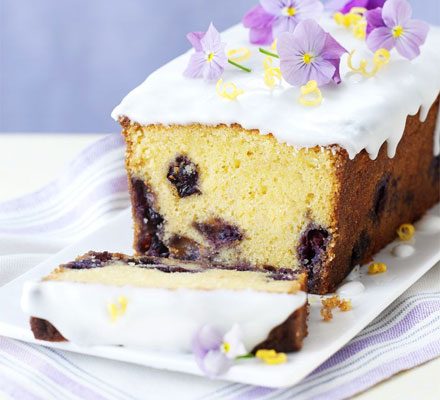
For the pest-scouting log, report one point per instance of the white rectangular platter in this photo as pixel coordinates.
(325, 338)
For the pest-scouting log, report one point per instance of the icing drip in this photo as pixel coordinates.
(349, 289)
(358, 114)
(403, 250)
(429, 223)
(158, 319)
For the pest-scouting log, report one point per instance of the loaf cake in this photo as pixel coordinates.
(246, 175)
(114, 299)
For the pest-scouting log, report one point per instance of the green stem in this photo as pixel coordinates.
(268, 53)
(249, 355)
(239, 66)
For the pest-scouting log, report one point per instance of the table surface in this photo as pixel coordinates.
(29, 161)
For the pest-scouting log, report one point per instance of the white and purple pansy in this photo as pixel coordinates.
(392, 26)
(270, 18)
(345, 6)
(309, 53)
(214, 352)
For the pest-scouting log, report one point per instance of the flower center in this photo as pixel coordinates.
(398, 31)
(289, 11)
(210, 57)
(226, 347)
(308, 58)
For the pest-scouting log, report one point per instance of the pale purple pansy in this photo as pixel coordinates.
(309, 53)
(344, 6)
(392, 26)
(209, 60)
(270, 18)
(214, 352)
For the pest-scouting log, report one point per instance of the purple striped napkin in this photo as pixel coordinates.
(85, 196)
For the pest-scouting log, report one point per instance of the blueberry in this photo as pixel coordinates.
(183, 174)
(219, 233)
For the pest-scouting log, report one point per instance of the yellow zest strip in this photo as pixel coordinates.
(271, 357)
(228, 90)
(239, 55)
(310, 94)
(406, 232)
(118, 309)
(355, 20)
(377, 268)
(273, 46)
(272, 75)
(381, 57)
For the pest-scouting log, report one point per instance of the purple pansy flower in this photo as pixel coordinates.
(309, 53)
(344, 6)
(209, 60)
(272, 17)
(213, 352)
(392, 26)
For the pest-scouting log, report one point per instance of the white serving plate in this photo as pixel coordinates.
(324, 338)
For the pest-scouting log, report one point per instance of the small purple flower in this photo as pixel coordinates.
(215, 353)
(209, 60)
(272, 17)
(344, 6)
(392, 26)
(309, 53)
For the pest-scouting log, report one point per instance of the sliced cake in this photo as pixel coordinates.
(114, 299)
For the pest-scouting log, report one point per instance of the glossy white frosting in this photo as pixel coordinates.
(403, 250)
(157, 319)
(358, 114)
(352, 288)
(429, 223)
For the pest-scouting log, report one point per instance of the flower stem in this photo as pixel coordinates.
(244, 356)
(268, 53)
(239, 66)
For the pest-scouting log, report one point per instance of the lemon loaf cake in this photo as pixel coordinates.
(246, 171)
(156, 303)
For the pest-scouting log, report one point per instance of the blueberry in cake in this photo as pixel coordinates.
(158, 303)
(233, 170)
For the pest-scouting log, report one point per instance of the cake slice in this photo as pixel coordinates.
(113, 299)
(262, 180)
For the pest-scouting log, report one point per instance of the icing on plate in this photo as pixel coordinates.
(360, 113)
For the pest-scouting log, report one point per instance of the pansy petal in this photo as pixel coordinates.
(372, 4)
(215, 363)
(380, 38)
(209, 337)
(211, 41)
(194, 38)
(261, 36)
(273, 7)
(374, 19)
(415, 32)
(311, 35)
(257, 17)
(308, 8)
(353, 3)
(332, 48)
(212, 71)
(288, 48)
(337, 74)
(322, 72)
(396, 12)
(335, 5)
(407, 48)
(293, 72)
(196, 65)
(283, 24)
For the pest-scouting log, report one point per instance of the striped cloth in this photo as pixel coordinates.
(85, 196)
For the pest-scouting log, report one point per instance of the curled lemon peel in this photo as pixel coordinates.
(228, 90)
(239, 55)
(381, 57)
(117, 309)
(406, 232)
(272, 75)
(310, 94)
(271, 357)
(377, 268)
(354, 20)
(273, 46)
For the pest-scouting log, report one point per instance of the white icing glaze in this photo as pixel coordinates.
(403, 250)
(351, 288)
(358, 114)
(429, 223)
(157, 319)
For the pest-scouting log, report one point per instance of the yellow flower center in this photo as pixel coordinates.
(308, 58)
(290, 11)
(398, 31)
(226, 347)
(210, 57)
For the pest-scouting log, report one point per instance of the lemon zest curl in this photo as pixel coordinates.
(271, 357)
(272, 75)
(406, 232)
(310, 94)
(380, 59)
(354, 20)
(228, 90)
(117, 309)
(377, 268)
(239, 55)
